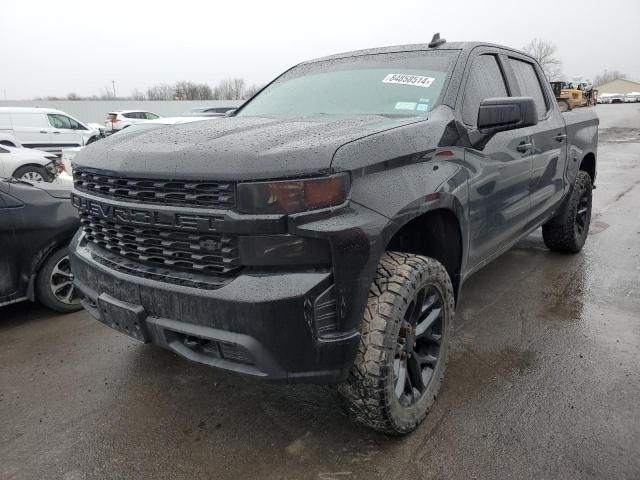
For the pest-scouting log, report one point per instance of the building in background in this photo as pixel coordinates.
(622, 86)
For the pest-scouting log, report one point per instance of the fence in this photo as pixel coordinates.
(90, 111)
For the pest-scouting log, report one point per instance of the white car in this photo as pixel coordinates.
(632, 97)
(121, 119)
(43, 128)
(28, 164)
(68, 154)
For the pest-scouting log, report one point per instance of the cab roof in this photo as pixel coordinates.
(413, 47)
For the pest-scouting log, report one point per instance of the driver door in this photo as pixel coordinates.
(499, 200)
(66, 132)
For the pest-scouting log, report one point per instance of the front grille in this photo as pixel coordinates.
(185, 251)
(184, 193)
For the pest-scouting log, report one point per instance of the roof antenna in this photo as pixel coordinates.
(436, 41)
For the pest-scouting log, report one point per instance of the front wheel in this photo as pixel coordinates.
(403, 344)
(54, 284)
(567, 231)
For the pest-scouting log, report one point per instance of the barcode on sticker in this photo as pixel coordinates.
(415, 80)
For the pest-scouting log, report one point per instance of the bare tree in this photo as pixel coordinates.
(72, 96)
(251, 91)
(608, 76)
(160, 92)
(204, 92)
(137, 94)
(106, 93)
(545, 53)
(230, 89)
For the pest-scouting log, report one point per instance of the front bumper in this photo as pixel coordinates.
(261, 325)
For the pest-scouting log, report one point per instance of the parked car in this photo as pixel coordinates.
(37, 221)
(28, 164)
(161, 122)
(616, 98)
(632, 97)
(67, 156)
(43, 128)
(323, 232)
(210, 111)
(121, 119)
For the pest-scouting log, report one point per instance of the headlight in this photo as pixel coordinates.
(292, 196)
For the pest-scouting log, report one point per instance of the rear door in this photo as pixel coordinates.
(32, 129)
(499, 188)
(548, 138)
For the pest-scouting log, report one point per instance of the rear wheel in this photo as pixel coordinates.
(54, 284)
(32, 173)
(403, 345)
(567, 231)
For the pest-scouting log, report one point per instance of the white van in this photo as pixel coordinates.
(43, 128)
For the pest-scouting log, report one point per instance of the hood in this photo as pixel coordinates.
(235, 148)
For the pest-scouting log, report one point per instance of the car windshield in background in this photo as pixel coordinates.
(405, 83)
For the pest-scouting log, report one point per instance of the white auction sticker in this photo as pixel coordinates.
(414, 80)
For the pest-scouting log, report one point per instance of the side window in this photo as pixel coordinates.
(2, 150)
(59, 121)
(130, 115)
(529, 84)
(151, 116)
(75, 125)
(485, 81)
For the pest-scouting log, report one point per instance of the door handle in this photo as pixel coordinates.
(524, 147)
(561, 137)
(56, 132)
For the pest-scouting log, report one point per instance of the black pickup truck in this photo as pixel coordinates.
(323, 231)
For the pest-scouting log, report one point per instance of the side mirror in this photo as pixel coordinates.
(508, 113)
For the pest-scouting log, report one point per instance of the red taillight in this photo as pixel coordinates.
(115, 120)
(445, 153)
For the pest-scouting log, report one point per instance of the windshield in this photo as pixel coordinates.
(405, 83)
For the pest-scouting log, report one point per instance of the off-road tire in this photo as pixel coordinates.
(43, 286)
(562, 233)
(368, 394)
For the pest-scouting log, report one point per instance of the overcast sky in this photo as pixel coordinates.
(55, 47)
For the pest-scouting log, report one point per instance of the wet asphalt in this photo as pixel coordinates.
(543, 380)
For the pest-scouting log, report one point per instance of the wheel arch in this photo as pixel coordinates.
(438, 232)
(30, 164)
(43, 255)
(588, 164)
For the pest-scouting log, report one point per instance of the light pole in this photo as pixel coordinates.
(113, 82)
